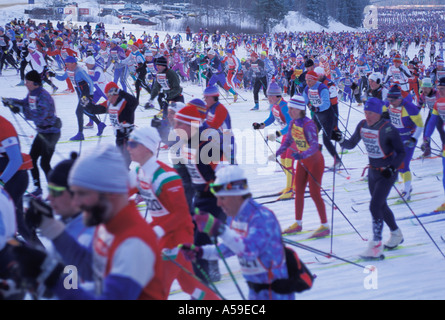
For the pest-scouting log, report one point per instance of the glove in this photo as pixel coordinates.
(8, 102)
(388, 172)
(37, 209)
(190, 251)
(410, 143)
(273, 136)
(85, 100)
(296, 155)
(337, 136)
(272, 157)
(208, 224)
(257, 125)
(37, 269)
(149, 105)
(313, 109)
(353, 86)
(51, 74)
(425, 144)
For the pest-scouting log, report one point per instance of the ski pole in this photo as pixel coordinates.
(320, 252)
(418, 220)
(228, 268)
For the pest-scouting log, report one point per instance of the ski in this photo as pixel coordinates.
(91, 138)
(267, 195)
(443, 238)
(398, 202)
(427, 214)
(414, 221)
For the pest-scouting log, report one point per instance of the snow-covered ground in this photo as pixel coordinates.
(415, 271)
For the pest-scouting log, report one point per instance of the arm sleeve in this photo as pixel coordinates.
(355, 138)
(15, 160)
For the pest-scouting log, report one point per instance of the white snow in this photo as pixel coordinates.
(417, 273)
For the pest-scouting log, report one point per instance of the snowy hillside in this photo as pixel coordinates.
(416, 271)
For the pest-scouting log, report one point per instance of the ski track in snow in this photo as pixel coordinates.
(417, 274)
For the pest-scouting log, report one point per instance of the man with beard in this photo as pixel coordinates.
(99, 183)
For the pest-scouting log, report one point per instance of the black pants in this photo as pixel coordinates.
(325, 122)
(379, 188)
(42, 147)
(206, 203)
(258, 82)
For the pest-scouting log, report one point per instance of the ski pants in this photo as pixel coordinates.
(325, 122)
(42, 147)
(258, 82)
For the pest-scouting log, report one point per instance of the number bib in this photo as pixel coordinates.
(190, 156)
(279, 118)
(314, 97)
(395, 115)
(146, 190)
(32, 100)
(371, 140)
(299, 138)
(441, 110)
(162, 80)
(113, 111)
(430, 101)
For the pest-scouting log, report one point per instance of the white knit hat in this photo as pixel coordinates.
(297, 102)
(147, 136)
(102, 169)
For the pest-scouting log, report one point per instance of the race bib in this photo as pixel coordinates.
(371, 140)
(395, 115)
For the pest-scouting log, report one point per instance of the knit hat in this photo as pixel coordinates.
(70, 59)
(59, 174)
(309, 63)
(427, 83)
(394, 92)
(230, 181)
(111, 88)
(254, 55)
(90, 60)
(374, 105)
(103, 170)
(211, 91)
(397, 58)
(319, 71)
(211, 52)
(200, 105)
(311, 75)
(440, 62)
(189, 115)
(274, 89)
(297, 102)
(376, 77)
(147, 136)
(34, 76)
(161, 61)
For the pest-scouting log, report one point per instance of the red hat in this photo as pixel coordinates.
(312, 75)
(397, 58)
(189, 115)
(111, 88)
(59, 43)
(254, 54)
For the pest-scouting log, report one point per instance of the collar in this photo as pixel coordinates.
(149, 167)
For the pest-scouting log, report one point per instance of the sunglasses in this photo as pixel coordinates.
(132, 144)
(234, 185)
(55, 191)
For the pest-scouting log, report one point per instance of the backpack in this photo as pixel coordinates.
(300, 277)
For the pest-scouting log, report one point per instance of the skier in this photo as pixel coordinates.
(38, 106)
(386, 154)
(259, 78)
(310, 167)
(405, 116)
(252, 233)
(218, 76)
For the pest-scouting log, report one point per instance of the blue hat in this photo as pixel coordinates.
(297, 102)
(395, 92)
(70, 59)
(211, 91)
(274, 89)
(374, 105)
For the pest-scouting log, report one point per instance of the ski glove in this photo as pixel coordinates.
(410, 143)
(38, 270)
(388, 172)
(37, 209)
(273, 136)
(425, 144)
(7, 102)
(296, 155)
(208, 224)
(257, 125)
(190, 251)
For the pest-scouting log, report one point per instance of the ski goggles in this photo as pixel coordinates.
(234, 186)
(55, 191)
